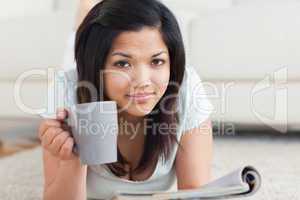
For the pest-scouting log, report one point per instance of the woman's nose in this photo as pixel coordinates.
(141, 76)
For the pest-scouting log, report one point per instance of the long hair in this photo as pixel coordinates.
(94, 37)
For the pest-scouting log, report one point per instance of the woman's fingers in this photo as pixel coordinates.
(61, 114)
(65, 152)
(49, 135)
(58, 142)
(45, 125)
(55, 136)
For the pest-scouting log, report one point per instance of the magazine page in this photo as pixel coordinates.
(243, 181)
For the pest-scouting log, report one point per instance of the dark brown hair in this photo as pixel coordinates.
(94, 38)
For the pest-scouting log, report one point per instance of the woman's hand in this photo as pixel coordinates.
(56, 138)
(64, 175)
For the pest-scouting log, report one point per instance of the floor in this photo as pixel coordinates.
(274, 155)
(17, 135)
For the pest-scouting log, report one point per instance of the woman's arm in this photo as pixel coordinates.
(84, 7)
(193, 164)
(64, 179)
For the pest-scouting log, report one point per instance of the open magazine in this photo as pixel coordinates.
(242, 182)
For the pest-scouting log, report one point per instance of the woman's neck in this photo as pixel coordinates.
(130, 126)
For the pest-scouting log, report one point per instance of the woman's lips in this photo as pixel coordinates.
(140, 98)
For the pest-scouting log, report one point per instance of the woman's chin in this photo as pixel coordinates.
(139, 112)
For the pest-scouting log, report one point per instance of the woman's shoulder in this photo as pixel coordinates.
(194, 105)
(190, 80)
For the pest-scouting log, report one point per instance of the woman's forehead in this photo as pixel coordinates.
(149, 39)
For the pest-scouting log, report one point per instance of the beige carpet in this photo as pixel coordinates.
(276, 157)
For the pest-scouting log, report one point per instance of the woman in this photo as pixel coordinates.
(141, 41)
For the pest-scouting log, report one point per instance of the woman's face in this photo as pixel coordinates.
(138, 62)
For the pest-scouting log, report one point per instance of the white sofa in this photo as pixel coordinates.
(246, 52)
(248, 49)
(33, 36)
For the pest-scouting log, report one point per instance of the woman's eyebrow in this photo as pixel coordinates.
(121, 54)
(155, 55)
(129, 56)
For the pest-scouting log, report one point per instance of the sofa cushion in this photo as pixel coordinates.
(247, 42)
(33, 94)
(33, 42)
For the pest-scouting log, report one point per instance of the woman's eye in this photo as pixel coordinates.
(158, 61)
(121, 64)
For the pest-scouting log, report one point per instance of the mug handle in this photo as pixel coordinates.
(67, 121)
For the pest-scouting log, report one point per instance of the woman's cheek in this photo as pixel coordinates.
(116, 85)
(162, 88)
(162, 83)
